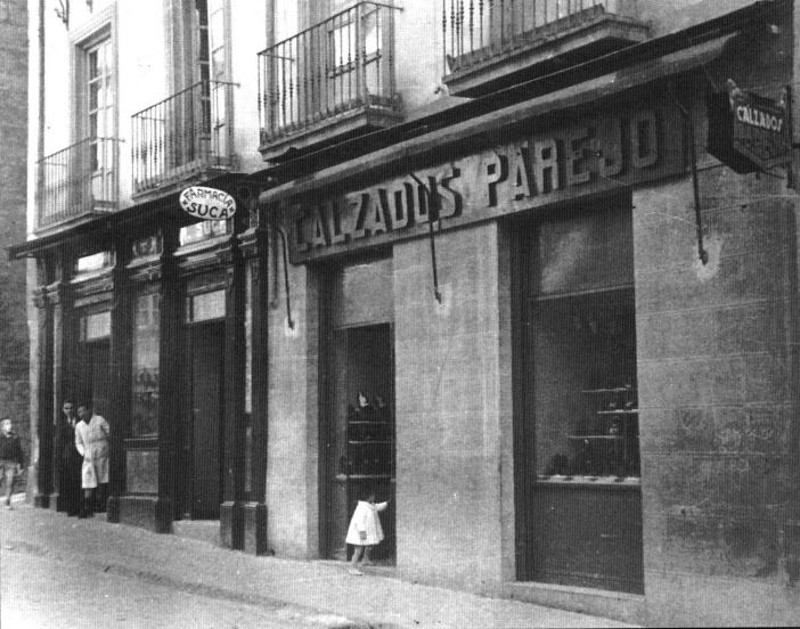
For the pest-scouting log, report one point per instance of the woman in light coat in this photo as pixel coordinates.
(91, 441)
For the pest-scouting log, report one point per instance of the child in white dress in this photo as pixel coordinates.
(365, 530)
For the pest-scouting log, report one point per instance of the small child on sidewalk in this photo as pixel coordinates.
(365, 530)
(10, 457)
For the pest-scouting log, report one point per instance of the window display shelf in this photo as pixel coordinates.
(580, 480)
(605, 442)
(370, 440)
(587, 437)
(345, 477)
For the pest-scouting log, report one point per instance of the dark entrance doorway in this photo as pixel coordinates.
(364, 417)
(94, 376)
(358, 415)
(202, 440)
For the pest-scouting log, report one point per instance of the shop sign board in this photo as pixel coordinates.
(594, 155)
(748, 132)
(207, 203)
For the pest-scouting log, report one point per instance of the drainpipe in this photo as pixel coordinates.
(35, 483)
(41, 126)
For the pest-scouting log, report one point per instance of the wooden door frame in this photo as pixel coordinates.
(186, 474)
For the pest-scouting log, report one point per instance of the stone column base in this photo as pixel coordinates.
(231, 525)
(112, 509)
(255, 528)
(55, 502)
(148, 512)
(32, 487)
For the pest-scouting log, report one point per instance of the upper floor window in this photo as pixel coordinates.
(99, 99)
(188, 132)
(95, 120)
(340, 61)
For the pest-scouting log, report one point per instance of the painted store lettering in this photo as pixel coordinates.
(207, 203)
(758, 118)
(469, 188)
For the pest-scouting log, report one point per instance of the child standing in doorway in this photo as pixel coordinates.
(365, 530)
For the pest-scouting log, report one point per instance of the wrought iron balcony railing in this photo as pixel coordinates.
(80, 179)
(477, 30)
(183, 135)
(343, 64)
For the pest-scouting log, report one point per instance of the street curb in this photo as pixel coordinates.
(281, 608)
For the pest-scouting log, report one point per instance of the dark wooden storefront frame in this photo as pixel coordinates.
(243, 514)
(525, 419)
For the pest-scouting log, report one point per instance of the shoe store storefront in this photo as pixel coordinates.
(476, 327)
(558, 336)
(520, 330)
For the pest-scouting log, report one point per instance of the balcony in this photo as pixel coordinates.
(331, 81)
(187, 136)
(77, 182)
(491, 44)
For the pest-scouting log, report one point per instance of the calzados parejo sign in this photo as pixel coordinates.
(208, 203)
(748, 132)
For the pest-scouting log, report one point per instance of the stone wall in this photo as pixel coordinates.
(14, 390)
(717, 404)
(453, 423)
(293, 457)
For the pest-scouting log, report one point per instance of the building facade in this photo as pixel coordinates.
(14, 402)
(528, 270)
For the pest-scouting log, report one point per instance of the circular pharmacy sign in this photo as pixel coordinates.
(207, 203)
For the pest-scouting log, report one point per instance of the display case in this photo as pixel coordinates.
(370, 441)
(606, 443)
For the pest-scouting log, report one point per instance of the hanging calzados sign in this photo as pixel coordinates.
(748, 132)
(207, 203)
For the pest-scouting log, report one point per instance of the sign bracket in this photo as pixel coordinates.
(688, 123)
(285, 243)
(433, 215)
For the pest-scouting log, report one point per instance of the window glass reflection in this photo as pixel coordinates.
(146, 337)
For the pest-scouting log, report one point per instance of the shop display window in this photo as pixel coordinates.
(94, 327)
(145, 372)
(584, 351)
(94, 262)
(148, 246)
(204, 230)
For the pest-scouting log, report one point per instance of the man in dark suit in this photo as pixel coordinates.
(71, 461)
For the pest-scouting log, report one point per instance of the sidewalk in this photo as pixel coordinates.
(315, 593)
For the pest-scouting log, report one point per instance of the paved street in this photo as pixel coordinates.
(62, 572)
(73, 596)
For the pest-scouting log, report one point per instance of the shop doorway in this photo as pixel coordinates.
(203, 425)
(576, 424)
(94, 378)
(358, 414)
